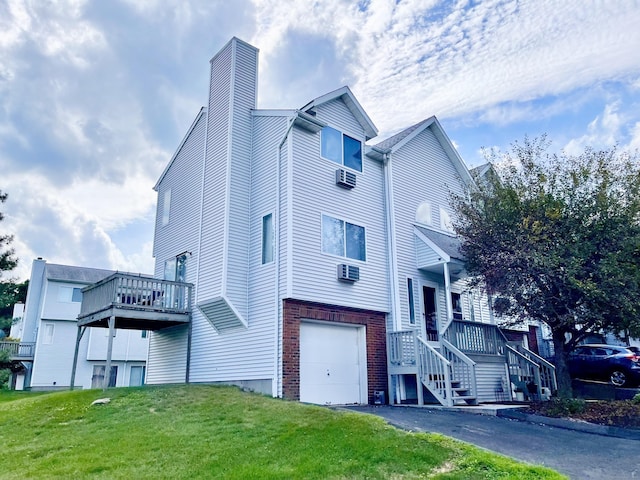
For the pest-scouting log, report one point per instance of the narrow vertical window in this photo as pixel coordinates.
(170, 269)
(166, 207)
(456, 304)
(267, 239)
(48, 333)
(412, 308)
(143, 335)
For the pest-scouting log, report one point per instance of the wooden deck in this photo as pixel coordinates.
(136, 302)
(19, 351)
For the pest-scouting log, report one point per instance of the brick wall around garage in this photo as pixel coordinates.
(296, 310)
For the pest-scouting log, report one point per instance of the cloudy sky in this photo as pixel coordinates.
(96, 95)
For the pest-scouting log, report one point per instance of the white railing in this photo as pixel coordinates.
(402, 347)
(524, 372)
(463, 369)
(475, 338)
(434, 370)
(132, 291)
(18, 350)
(548, 377)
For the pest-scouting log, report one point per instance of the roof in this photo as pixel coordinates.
(347, 96)
(68, 273)
(447, 243)
(400, 139)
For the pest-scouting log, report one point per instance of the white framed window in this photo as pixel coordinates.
(341, 148)
(412, 306)
(423, 213)
(166, 207)
(456, 305)
(144, 334)
(343, 239)
(47, 337)
(170, 269)
(97, 379)
(267, 239)
(136, 377)
(69, 294)
(445, 220)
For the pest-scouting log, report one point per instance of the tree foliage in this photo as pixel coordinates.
(556, 238)
(10, 294)
(7, 259)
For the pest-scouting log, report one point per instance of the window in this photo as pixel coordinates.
(341, 148)
(423, 213)
(170, 269)
(175, 269)
(166, 207)
(144, 334)
(136, 378)
(76, 296)
(343, 239)
(69, 294)
(412, 308)
(267, 239)
(48, 334)
(456, 304)
(97, 379)
(445, 220)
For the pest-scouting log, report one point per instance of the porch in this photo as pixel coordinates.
(471, 362)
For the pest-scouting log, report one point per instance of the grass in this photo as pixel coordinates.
(221, 432)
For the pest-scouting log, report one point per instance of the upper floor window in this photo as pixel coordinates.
(69, 294)
(445, 221)
(423, 213)
(175, 269)
(343, 238)
(341, 148)
(166, 207)
(267, 239)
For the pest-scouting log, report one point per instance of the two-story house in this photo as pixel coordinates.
(324, 268)
(48, 325)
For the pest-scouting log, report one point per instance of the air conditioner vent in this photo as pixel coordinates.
(345, 178)
(348, 273)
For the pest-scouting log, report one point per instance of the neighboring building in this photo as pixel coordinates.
(49, 323)
(324, 270)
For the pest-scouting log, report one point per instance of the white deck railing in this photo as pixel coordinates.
(131, 291)
(463, 369)
(434, 370)
(18, 350)
(475, 338)
(402, 348)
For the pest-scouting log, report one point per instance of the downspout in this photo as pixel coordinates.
(276, 384)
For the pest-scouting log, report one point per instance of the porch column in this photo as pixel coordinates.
(107, 368)
(75, 356)
(447, 294)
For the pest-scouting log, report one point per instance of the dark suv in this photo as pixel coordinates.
(618, 365)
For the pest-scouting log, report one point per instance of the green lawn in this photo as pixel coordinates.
(221, 432)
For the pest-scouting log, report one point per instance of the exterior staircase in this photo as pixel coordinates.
(468, 359)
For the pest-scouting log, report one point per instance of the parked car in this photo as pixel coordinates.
(618, 365)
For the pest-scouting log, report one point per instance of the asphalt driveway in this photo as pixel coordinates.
(577, 454)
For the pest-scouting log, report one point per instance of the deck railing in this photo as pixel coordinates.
(402, 347)
(18, 350)
(475, 338)
(463, 369)
(132, 291)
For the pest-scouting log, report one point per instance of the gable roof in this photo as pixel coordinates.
(347, 96)
(448, 244)
(202, 111)
(69, 273)
(400, 139)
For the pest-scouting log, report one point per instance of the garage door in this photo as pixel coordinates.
(332, 364)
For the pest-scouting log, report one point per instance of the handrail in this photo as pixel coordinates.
(434, 370)
(475, 337)
(547, 369)
(402, 347)
(18, 349)
(524, 369)
(463, 368)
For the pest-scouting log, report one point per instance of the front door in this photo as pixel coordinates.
(430, 312)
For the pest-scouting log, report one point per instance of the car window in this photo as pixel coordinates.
(602, 352)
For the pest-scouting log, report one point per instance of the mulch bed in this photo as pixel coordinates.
(618, 413)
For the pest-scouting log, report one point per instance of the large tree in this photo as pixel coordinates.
(556, 238)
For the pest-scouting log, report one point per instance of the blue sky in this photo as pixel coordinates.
(96, 96)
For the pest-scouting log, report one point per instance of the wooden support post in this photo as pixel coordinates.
(107, 368)
(75, 356)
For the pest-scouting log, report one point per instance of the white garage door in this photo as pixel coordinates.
(332, 364)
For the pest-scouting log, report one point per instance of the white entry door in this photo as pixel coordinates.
(333, 368)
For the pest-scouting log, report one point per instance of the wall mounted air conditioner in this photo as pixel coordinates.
(348, 273)
(345, 179)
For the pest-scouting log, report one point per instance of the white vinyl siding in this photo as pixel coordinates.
(167, 356)
(313, 273)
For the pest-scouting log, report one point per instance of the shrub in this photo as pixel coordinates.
(636, 399)
(560, 407)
